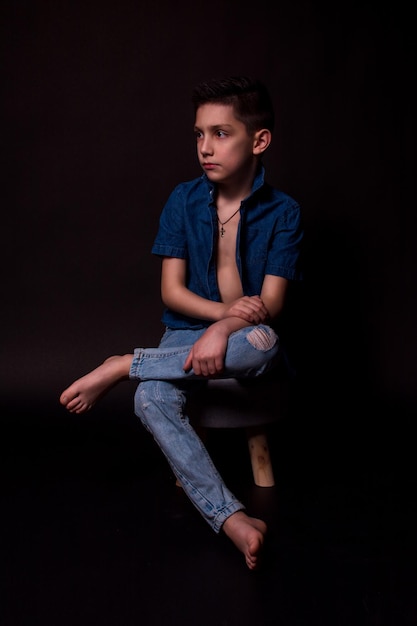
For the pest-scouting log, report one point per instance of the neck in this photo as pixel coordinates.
(238, 187)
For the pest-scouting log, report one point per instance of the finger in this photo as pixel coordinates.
(219, 365)
(197, 368)
(212, 368)
(203, 367)
(188, 362)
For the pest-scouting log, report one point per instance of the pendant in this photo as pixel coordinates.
(222, 231)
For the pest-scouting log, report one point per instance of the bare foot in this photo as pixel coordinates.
(248, 534)
(84, 392)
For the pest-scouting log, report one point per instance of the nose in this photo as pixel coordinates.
(206, 146)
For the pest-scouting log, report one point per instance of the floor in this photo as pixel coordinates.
(95, 532)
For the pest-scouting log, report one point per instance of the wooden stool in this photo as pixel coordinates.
(249, 403)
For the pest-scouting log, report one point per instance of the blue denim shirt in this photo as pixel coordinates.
(268, 239)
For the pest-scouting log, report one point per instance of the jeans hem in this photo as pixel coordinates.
(134, 367)
(224, 514)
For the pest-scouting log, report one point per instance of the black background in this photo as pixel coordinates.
(97, 129)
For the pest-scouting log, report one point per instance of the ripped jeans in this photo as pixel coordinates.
(160, 404)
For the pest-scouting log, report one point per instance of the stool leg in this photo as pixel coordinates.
(259, 455)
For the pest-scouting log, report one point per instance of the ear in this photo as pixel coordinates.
(261, 140)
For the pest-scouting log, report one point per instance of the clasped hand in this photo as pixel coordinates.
(249, 308)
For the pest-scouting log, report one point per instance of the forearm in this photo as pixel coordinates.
(242, 312)
(182, 300)
(229, 325)
(273, 295)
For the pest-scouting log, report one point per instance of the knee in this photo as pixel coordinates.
(262, 338)
(142, 401)
(156, 401)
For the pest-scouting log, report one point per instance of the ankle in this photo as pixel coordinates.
(124, 365)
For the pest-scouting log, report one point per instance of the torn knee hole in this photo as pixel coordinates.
(262, 338)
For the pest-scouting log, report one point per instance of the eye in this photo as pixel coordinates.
(221, 133)
(198, 134)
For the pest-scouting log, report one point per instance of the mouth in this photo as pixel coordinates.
(209, 166)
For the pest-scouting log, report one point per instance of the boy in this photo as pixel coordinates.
(229, 245)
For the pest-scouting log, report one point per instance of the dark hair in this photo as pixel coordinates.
(249, 97)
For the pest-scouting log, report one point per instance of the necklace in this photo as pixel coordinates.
(222, 231)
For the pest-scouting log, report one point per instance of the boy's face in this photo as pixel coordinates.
(224, 148)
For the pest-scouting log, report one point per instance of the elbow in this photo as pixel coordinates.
(165, 299)
(169, 297)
